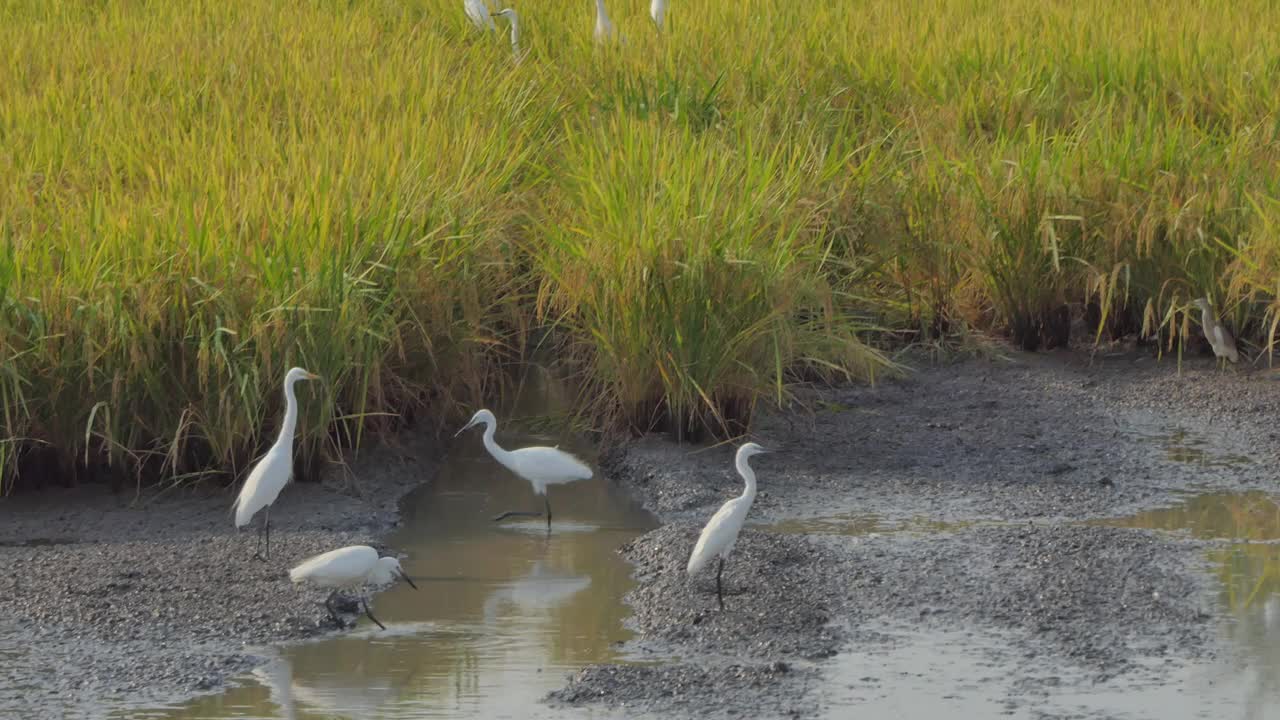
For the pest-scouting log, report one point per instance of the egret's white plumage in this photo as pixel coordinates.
(1224, 345)
(658, 11)
(604, 28)
(351, 566)
(721, 533)
(540, 466)
(478, 11)
(273, 471)
(511, 15)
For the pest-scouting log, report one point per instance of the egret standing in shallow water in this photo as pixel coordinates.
(272, 473)
(350, 566)
(1219, 337)
(540, 466)
(721, 533)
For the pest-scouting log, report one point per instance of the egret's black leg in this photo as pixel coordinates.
(328, 605)
(719, 592)
(257, 548)
(546, 502)
(369, 612)
(266, 519)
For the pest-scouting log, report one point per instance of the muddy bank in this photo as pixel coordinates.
(110, 600)
(1003, 462)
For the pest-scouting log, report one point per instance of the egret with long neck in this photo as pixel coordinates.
(721, 533)
(539, 466)
(515, 30)
(273, 472)
(1219, 337)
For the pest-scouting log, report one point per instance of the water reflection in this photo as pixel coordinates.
(1248, 572)
(1214, 516)
(504, 611)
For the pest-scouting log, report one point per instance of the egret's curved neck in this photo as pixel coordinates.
(749, 475)
(290, 417)
(515, 31)
(502, 456)
(601, 16)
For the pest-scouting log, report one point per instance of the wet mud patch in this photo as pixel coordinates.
(997, 511)
(1095, 598)
(779, 595)
(151, 599)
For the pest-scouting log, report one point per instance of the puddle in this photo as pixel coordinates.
(504, 612)
(1247, 570)
(1252, 515)
(920, 675)
(1182, 446)
(859, 524)
(975, 674)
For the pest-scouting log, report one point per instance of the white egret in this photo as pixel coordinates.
(515, 29)
(721, 533)
(540, 466)
(1224, 346)
(604, 28)
(351, 566)
(273, 471)
(478, 11)
(658, 11)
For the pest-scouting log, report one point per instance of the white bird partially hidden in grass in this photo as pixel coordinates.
(272, 473)
(539, 466)
(352, 566)
(721, 533)
(658, 11)
(478, 11)
(604, 28)
(511, 15)
(1224, 346)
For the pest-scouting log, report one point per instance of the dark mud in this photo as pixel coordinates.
(107, 598)
(1006, 459)
(964, 493)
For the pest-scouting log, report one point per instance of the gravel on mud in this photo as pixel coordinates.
(1014, 455)
(156, 598)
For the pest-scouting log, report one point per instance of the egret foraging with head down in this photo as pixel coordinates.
(1219, 337)
(478, 11)
(540, 466)
(350, 566)
(272, 473)
(721, 533)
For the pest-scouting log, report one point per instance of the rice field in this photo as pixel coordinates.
(196, 196)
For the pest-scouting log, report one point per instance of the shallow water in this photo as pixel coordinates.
(503, 613)
(1248, 573)
(967, 672)
(1182, 446)
(971, 674)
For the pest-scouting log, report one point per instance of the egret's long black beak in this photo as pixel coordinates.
(464, 429)
(408, 580)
